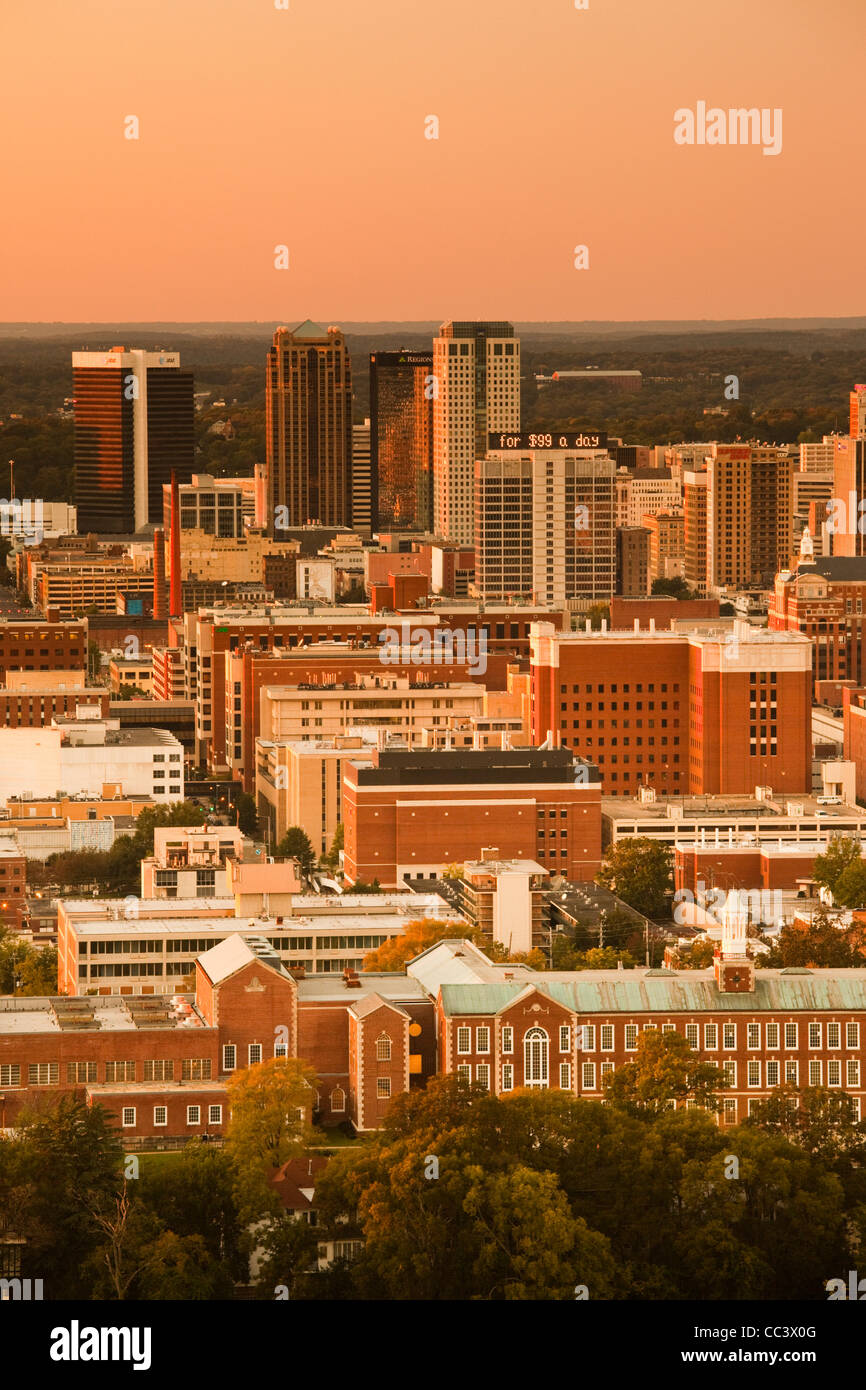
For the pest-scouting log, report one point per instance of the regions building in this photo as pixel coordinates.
(401, 438)
(410, 815)
(713, 712)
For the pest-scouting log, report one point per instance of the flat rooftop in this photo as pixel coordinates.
(399, 988)
(701, 807)
(109, 1013)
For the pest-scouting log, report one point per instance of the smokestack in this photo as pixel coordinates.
(176, 595)
(159, 575)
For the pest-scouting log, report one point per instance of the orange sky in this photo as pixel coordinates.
(306, 127)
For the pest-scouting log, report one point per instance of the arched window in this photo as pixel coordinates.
(535, 1050)
(383, 1048)
(338, 1099)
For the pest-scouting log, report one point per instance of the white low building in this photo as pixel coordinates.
(73, 756)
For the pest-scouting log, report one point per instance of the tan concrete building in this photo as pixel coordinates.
(300, 783)
(389, 701)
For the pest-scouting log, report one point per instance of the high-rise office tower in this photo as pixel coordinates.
(361, 499)
(695, 528)
(857, 426)
(545, 524)
(401, 438)
(308, 428)
(134, 417)
(476, 367)
(846, 522)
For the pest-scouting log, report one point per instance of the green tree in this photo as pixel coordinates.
(696, 955)
(841, 853)
(672, 588)
(38, 972)
(639, 870)
(820, 945)
(194, 1195)
(596, 614)
(665, 1069)
(296, 844)
(247, 817)
(821, 1121)
(331, 860)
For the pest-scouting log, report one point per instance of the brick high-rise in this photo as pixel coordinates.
(715, 712)
(308, 428)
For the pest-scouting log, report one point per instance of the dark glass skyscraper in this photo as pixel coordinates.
(401, 438)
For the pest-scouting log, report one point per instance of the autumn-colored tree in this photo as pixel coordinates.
(665, 1069)
(695, 955)
(270, 1105)
(819, 944)
(418, 936)
(819, 1120)
(841, 853)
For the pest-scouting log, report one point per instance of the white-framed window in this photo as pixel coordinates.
(792, 1073)
(160, 1115)
(772, 1031)
(754, 1073)
(565, 1038)
(815, 1072)
(215, 1115)
(10, 1074)
(606, 1068)
(852, 1069)
(482, 1039)
(790, 1035)
(669, 1027)
(383, 1048)
(383, 1087)
(127, 1116)
(814, 1035)
(834, 1035)
(631, 1037)
(730, 1070)
(230, 1056)
(693, 1034)
(586, 1038)
(338, 1100)
(729, 1111)
(773, 1073)
(193, 1114)
(729, 1037)
(852, 1035)
(281, 1049)
(588, 1075)
(834, 1072)
(535, 1051)
(43, 1073)
(464, 1039)
(507, 1038)
(482, 1074)
(711, 1037)
(255, 1053)
(753, 1035)
(607, 1037)
(507, 1076)
(464, 1073)
(565, 1076)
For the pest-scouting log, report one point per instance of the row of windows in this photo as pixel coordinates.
(592, 1077)
(79, 1073)
(590, 1036)
(160, 1115)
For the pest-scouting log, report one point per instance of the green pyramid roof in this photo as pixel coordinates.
(308, 329)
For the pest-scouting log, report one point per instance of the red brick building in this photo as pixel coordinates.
(716, 712)
(824, 600)
(409, 815)
(36, 645)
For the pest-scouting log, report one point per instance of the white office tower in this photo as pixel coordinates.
(476, 371)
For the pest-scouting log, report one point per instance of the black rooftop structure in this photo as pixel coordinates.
(554, 765)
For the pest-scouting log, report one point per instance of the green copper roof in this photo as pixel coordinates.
(633, 991)
(308, 329)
